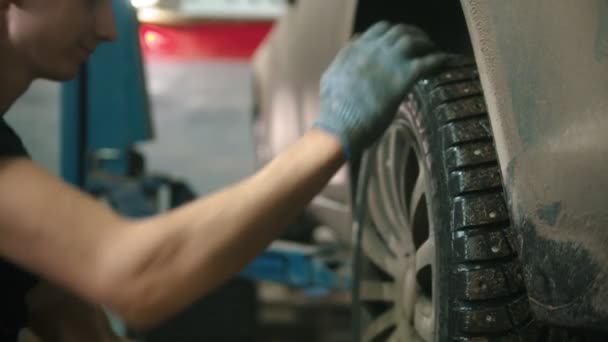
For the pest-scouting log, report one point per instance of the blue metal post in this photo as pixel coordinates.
(106, 106)
(74, 129)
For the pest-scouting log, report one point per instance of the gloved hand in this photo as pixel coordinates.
(362, 90)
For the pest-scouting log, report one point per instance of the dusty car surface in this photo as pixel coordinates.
(481, 214)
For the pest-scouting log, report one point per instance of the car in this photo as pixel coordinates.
(480, 215)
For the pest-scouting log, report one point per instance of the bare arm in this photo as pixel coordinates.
(148, 270)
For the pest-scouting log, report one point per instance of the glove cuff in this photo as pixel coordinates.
(346, 148)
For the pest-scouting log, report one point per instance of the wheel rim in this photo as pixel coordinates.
(397, 257)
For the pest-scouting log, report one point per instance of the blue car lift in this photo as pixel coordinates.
(105, 112)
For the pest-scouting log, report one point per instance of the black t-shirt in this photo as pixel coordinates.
(15, 281)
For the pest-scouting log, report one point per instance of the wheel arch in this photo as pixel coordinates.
(443, 20)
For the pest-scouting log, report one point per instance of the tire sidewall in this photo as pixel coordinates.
(419, 112)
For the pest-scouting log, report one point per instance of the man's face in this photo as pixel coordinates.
(54, 37)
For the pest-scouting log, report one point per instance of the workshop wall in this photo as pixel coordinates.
(201, 117)
(35, 117)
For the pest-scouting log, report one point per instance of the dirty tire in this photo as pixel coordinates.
(474, 290)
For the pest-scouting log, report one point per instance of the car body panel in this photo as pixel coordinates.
(287, 70)
(544, 69)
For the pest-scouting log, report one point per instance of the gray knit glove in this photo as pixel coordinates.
(363, 88)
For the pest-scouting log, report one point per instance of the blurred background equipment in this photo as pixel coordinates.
(197, 10)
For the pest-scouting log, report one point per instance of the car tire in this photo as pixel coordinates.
(435, 256)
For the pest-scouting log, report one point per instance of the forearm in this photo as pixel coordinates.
(252, 214)
(146, 270)
(189, 251)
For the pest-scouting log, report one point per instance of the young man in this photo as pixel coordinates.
(147, 270)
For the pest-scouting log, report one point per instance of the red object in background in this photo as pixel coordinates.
(213, 40)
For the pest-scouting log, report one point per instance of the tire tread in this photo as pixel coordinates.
(490, 301)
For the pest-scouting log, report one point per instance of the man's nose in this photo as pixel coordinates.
(105, 25)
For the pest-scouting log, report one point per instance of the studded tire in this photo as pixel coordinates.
(477, 289)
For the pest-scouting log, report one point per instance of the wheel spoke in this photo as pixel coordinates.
(401, 176)
(425, 255)
(397, 153)
(424, 319)
(377, 252)
(382, 224)
(417, 195)
(380, 324)
(409, 297)
(377, 291)
(386, 188)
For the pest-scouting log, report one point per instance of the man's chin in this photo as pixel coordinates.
(61, 74)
